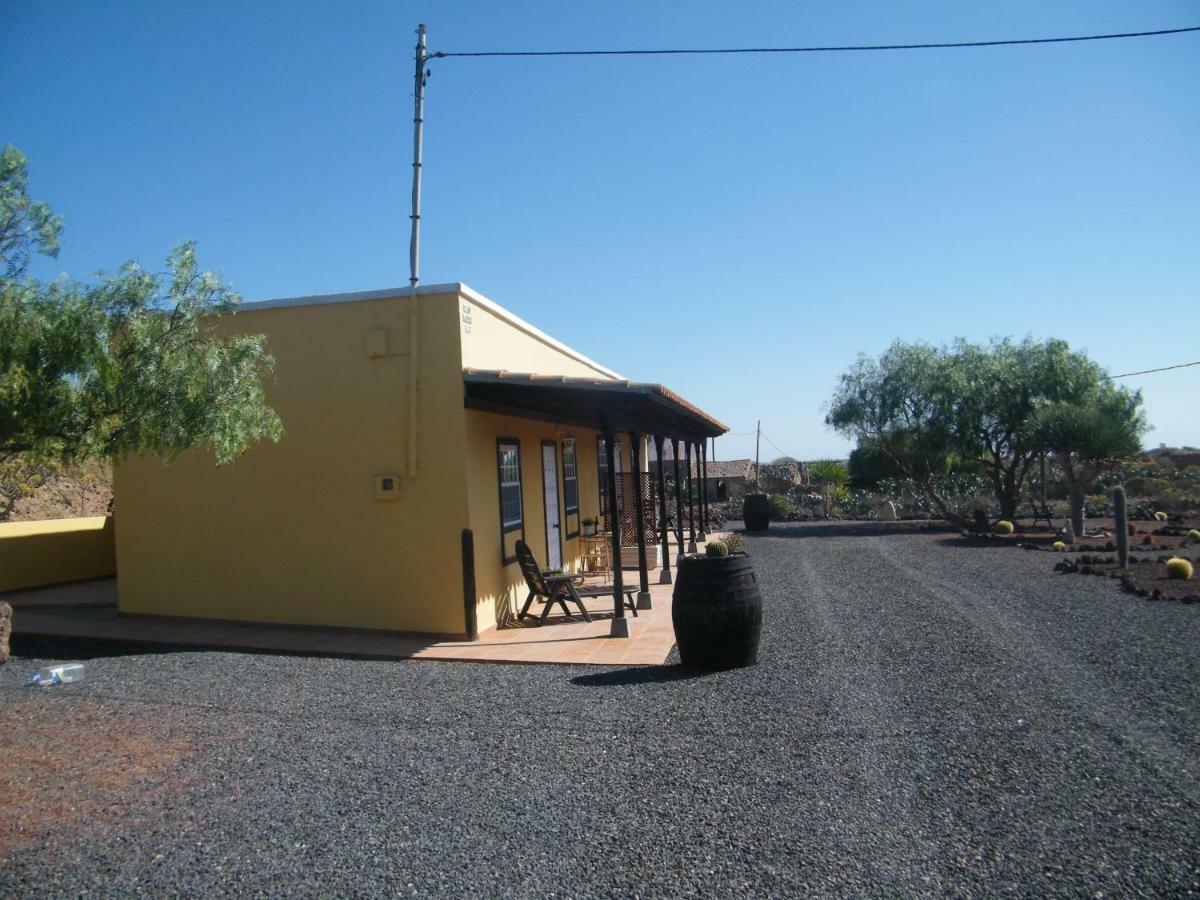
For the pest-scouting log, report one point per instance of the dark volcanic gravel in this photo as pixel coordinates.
(926, 717)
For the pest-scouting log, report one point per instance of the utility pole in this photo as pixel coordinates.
(414, 243)
(757, 441)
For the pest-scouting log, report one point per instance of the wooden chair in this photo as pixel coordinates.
(558, 588)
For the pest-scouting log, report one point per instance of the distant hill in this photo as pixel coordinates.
(53, 490)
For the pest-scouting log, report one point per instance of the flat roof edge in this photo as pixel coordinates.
(451, 287)
(533, 331)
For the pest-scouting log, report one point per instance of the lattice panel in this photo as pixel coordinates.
(626, 505)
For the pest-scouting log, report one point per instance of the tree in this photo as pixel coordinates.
(833, 478)
(135, 364)
(1090, 437)
(931, 409)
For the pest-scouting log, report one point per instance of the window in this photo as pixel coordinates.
(602, 468)
(570, 478)
(509, 462)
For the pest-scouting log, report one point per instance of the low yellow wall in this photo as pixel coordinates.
(54, 551)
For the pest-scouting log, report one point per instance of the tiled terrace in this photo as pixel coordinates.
(88, 610)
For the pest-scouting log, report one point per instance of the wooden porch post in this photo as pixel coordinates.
(704, 507)
(691, 502)
(678, 500)
(639, 502)
(620, 628)
(664, 575)
(703, 490)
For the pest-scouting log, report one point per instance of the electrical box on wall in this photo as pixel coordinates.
(387, 487)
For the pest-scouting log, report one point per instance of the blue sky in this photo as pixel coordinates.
(739, 228)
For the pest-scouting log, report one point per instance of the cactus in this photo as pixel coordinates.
(1069, 533)
(1179, 568)
(1059, 546)
(1194, 534)
(1122, 527)
(1004, 527)
(1160, 516)
(716, 548)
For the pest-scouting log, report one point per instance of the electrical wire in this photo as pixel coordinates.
(778, 449)
(1162, 369)
(944, 45)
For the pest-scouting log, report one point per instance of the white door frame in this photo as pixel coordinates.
(550, 493)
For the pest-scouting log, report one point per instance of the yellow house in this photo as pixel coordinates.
(427, 431)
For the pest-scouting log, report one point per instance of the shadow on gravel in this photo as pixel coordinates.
(848, 529)
(33, 647)
(639, 675)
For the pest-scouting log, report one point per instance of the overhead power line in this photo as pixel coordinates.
(777, 448)
(854, 48)
(1161, 369)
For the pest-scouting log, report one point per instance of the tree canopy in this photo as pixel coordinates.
(932, 409)
(136, 363)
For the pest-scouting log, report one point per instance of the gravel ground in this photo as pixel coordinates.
(926, 718)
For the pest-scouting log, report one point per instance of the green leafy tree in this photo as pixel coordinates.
(930, 409)
(1091, 437)
(137, 363)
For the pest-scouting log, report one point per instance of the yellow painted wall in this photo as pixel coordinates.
(292, 532)
(494, 339)
(501, 588)
(55, 551)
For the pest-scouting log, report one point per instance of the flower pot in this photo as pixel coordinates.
(757, 512)
(717, 612)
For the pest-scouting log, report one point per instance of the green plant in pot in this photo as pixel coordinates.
(589, 525)
(716, 609)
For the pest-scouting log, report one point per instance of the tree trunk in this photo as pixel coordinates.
(1077, 508)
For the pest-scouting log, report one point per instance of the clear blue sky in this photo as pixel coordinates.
(739, 228)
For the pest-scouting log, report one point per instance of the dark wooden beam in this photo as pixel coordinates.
(664, 576)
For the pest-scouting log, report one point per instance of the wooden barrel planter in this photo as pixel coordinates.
(717, 612)
(757, 512)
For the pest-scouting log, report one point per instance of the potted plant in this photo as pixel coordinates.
(716, 609)
(589, 525)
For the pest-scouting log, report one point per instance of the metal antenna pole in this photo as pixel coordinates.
(414, 244)
(757, 441)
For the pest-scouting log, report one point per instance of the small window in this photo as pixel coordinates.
(602, 468)
(509, 461)
(570, 478)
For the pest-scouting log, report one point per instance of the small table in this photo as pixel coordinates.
(596, 553)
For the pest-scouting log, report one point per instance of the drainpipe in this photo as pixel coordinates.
(413, 373)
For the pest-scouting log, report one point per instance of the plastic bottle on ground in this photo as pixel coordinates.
(63, 674)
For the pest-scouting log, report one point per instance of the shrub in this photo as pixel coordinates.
(779, 507)
(1059, 545)
(1179, 568)
(716, 548)
(1147, 539)
(1160, 516)
(735, 542)
(1004, 527)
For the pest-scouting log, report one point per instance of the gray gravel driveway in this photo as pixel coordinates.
(926, 718)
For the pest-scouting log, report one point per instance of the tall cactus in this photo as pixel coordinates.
(1122, 526)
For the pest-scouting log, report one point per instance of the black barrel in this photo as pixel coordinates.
(717, 612)
(757, 512)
